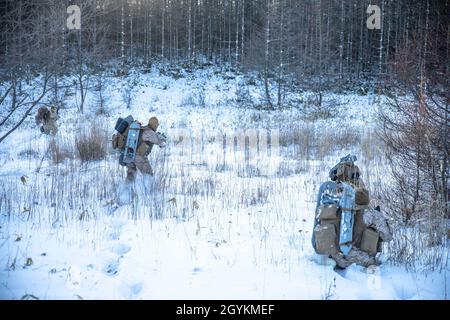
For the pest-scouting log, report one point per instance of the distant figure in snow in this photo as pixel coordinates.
(47, 120)
(370, 226)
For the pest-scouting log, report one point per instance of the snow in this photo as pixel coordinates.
(217, 230)
(167, 260)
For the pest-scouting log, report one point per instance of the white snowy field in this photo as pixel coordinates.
(209, 225)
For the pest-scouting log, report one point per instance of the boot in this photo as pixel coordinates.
(131, 176)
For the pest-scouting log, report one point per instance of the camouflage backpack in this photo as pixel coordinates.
(42, 115)
(119, 138)
(369, 226)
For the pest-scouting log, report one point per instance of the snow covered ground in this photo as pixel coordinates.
(208, 226)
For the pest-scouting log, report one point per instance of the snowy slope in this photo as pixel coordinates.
(214, 231)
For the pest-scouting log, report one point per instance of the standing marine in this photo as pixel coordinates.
(136, 143)
(47, 120)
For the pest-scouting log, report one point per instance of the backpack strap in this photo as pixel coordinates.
(144, 147)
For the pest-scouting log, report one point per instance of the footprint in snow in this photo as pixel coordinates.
(405, 290)
(196, 270)
(116, 225)
(111, 267)
(131, 289)
(136, 289)
(121, 249)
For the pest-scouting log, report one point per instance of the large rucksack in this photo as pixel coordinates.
(126, 139)
(119, 138)
(42, 115)
(329, 236)
(334, 219)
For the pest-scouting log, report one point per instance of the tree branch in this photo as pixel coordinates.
(13, 110)
(33, 104)
(6, 94)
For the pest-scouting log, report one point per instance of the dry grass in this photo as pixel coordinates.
(289, 168)
(194, 99)
(248, 171)
(204, 187)
(61, 150)
(419, 247)
(420, 244)
(28, 153)
(89, 144)
(92, 144)
(82, 189)
(309, 141)
(255, 196)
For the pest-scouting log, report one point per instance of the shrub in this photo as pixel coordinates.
(60, 150)
(91, 144)
(28, 153)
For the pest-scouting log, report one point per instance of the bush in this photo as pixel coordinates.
(194, 99)
(256, 196)
(187, 101)
(60, 150)
(243, 97)
(248, 171)
(28, 154)
(101, 96)
(309, 141)
(421, 245)
(289, 168)
(91, 144)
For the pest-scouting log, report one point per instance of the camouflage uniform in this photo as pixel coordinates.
(365, 217)
(355, 256)
(370, 218)
(48, 120)
(377, 220)
(148, 138)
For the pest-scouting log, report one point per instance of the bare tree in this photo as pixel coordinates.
(323, 39)
(28, 104)
(267, 49)
(415, 130)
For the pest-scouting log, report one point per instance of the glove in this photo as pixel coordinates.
(162, 137)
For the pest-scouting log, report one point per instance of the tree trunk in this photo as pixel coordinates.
(380, 67)
(242, 29)
(341, 45)
(236, 42)
(163, 28)
(267, 56)
(281, 53)
(122, 33)
(190, 32)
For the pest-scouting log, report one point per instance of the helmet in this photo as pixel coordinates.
(153, 123)
(345, 170)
